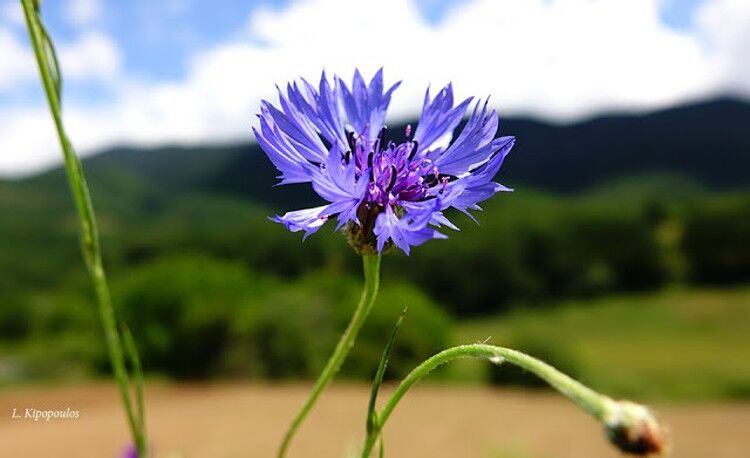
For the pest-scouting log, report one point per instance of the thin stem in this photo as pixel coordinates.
(371, 265)
(598, 405)
(132, 353)
(50, 76)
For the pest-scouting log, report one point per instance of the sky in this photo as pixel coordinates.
(145, 72)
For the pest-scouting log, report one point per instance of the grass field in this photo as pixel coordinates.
(683, 350)
(247, 420)
(680, 344)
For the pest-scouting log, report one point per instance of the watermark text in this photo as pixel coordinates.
(44, 414)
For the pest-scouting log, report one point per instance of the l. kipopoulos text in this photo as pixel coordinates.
(44, 414)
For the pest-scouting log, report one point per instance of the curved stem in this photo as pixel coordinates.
(371, 265)
(51, 80)
(596, 404)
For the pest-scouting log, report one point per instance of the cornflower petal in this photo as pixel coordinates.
(439, 118)
(365, 106)
(405, 232)
(465, 194)
(473, 146)
(311, 219)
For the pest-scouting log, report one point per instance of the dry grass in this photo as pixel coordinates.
(241, 420)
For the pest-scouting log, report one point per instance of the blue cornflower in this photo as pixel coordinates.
(382, 192)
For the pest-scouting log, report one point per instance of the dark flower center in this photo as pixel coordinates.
(397, 172)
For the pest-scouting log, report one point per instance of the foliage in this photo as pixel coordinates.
(638, 234)
(195, 316)
(717, 240)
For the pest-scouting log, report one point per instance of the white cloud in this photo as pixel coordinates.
(83, 12)
(93, 56)
(562, 59)
(17, 63)
(725, 27)
(12, 12)
(28, 141)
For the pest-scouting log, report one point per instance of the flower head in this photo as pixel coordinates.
(635, 430)
(383, 192)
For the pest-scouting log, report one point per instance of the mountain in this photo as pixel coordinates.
(705, 142)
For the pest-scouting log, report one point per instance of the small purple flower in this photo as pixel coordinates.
(129, 452)
(384, 193)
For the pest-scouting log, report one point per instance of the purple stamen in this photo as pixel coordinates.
(392, 180)
(382, 137)
(413, 149)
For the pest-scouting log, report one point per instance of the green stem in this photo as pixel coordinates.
(598, 405)
(371, 264)
(132, 353)
(44, 52)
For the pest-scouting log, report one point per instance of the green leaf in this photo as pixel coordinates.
(54, 63)
(372, 420)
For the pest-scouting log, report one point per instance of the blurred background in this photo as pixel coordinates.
(622, 257)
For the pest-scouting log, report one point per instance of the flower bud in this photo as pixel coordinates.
(635, 430)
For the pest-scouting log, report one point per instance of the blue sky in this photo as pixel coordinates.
(679, 13)
(157, 37)
(147, 72)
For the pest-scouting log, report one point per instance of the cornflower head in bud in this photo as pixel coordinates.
(635, 430)
(382, 192)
